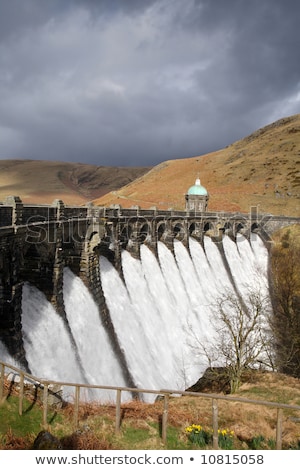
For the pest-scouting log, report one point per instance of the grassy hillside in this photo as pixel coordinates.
(252, 427)
(263, 169)
(43, 181)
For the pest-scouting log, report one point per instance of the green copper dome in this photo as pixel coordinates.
(197, 189)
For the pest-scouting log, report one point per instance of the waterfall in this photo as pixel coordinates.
(247, 266)
(48, 346)
(6, 357)
(158, 308)
(97, 358)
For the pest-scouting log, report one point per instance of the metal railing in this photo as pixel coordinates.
(44, 385)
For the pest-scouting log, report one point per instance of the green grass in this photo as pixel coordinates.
(22, 425)
(132, 435)
(253, 427)
(262, 393)
(149, 437)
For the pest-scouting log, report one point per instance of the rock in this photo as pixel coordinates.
(46, 441)
(214, 380)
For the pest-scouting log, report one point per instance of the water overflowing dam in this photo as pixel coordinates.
(120, 297)
(157, 307)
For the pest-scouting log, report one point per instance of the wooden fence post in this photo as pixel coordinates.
(118, 411)
(76, 406)
(165, 419)
(21, 393)
(45, 404)
(215, 423)
(279, 429)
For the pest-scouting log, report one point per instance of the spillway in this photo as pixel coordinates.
(157, 309)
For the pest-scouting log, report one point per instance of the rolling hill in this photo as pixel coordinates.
(262, 169)
(41, 182)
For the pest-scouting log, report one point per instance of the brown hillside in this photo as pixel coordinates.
(262, 170)
(41, 182)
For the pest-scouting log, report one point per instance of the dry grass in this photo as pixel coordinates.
(13, 442)
(246, 420)
(42, 182)
(262, 169)
(141, 422)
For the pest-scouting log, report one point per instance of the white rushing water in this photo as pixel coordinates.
(6, 357)
(47, 344)
(97, 358)
(157, 312)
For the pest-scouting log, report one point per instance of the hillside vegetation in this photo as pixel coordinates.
(40, 182)
(263, 169)
(252, 426)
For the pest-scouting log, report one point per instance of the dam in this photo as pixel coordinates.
(116, 296)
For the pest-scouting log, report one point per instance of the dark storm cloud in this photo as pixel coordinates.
(115, 82)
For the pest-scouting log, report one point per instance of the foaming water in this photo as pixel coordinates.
(49, 350)
(98, 360)
(159, 310)
(127, 324)
(6, 357)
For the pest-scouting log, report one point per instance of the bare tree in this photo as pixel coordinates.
(242, 337)
(286, 303)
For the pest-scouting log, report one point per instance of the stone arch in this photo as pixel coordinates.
(254, 227)
(108, 230)
(227, 226)
(192, 228)
(125, 234)
(178, 230)
(208, 226)
(239, 227)
(94, 239)
(144, 232)
(160, 230)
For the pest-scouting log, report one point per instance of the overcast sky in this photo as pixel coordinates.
(137, 82)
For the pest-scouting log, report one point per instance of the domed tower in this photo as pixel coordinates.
(196, 198)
